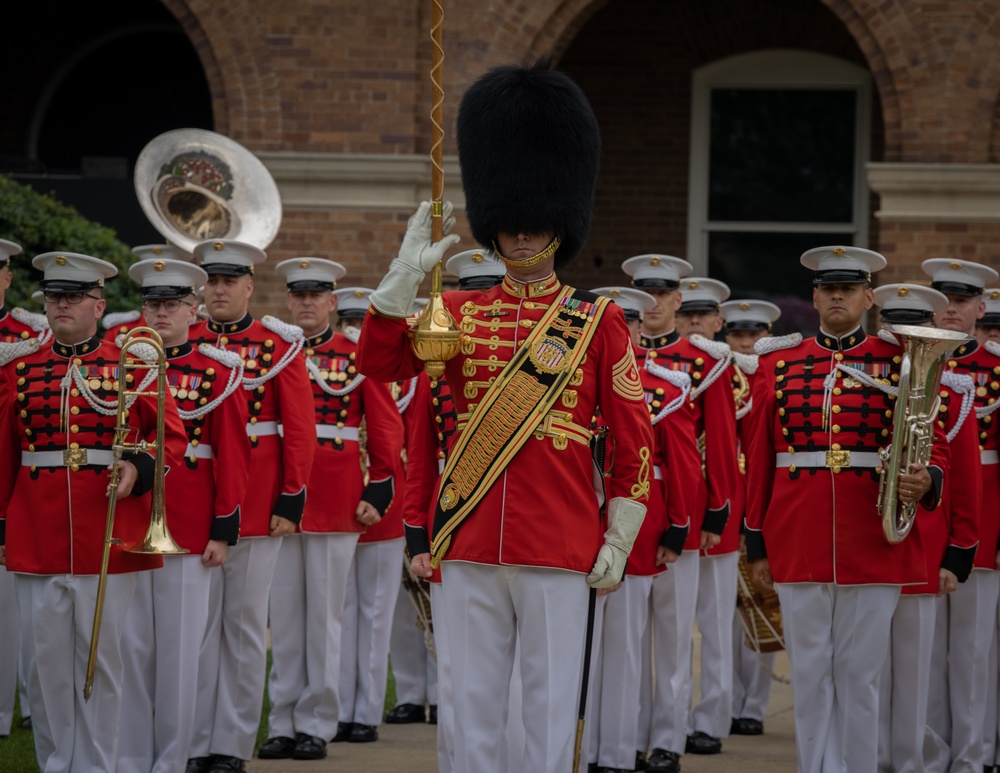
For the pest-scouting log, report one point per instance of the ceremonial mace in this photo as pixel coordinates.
(435, 337)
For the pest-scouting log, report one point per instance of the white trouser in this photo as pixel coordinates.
(646, 677)
(57, 616)
(446, 708)
(306, 606)
(372, 587)
(413, 666)
(675, 594)
(164, 629)
(751, 676)
(904, 685)
(592, 712)
(233, 657)
(717, 580)
(991, 728)
(488, 609)
(959, 686)
(626, 614)
(10, 625)
(512, 753)
(837, 639)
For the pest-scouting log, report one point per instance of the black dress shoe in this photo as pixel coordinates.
(640, 761)
(308, 747)
(432, 716)
(613, 770)
(662, 761)
(26, 723)
(405, 714)
(363, 734)
(746, 726)
(278, 748)
(199, 764)
(226, 764)
(343, 732)
(702, 743)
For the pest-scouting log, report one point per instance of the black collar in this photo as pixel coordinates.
(76, 350)
(842, 344)
(3, 312)
(966, 349)
(225, 328)
(645, 342)
(322, 338)
(181, 350)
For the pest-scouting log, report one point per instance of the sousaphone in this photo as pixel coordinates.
(194, 185)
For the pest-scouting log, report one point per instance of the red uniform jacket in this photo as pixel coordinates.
(342, 400)
(676, 462)
(279, 465)
(206, 488)
(950, 532)
(818, 517)
(432, 422)
(53, 515)
(118, 323)
(19, 325)
(983, 364)
(391, 525)
(715, 426)
(542, 511)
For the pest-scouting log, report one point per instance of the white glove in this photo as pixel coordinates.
(624, 519)
(417, 255)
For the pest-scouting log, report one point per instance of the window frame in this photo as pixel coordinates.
(773, 69)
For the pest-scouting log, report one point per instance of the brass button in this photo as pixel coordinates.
(835, 428)
(838, 356)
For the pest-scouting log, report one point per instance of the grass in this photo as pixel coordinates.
(17, 752)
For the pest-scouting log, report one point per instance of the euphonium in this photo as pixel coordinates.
(917, 403)
(158, 539)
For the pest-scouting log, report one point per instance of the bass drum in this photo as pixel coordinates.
(760, 613)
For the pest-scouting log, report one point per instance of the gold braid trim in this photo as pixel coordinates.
(534, 260)
(641, 488)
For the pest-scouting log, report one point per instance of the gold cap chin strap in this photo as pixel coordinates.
(534, 260)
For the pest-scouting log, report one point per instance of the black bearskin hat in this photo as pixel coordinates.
(529, 148)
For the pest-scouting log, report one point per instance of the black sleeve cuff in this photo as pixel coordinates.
(226, 527)
(379, 494)
(145, 465)
(3, 532)
(715, 520)
(755, 546)
(417, 541)
(933, 497)
(290, 506)
(674, 538)
(959, 561)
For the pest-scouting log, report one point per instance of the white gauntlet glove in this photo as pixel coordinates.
(417, 255)
(624, 519)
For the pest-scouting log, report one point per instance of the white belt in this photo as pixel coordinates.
(331, 431)
(441, 463)
(201, 451)
(989, 457)
(657, 472)
(831, 459)
(263, 428)
(82, 457)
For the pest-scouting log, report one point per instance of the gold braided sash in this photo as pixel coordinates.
(512, 408)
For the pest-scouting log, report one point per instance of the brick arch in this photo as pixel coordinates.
(244, 85)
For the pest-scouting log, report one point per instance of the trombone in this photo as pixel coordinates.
(157, 540)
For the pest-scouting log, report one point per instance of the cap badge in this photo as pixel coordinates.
(159, 265)
(654, 261)
(903, 291)
(218, 246)
(615, 293)
(304, 264)
(994, 295)
(954, 266)
(838, 251)
(157, 250)
(60, 261)
(744, 307)
(477, 257)
(692, 285)
(358, 293)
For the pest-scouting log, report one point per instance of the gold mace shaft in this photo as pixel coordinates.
(435, 337)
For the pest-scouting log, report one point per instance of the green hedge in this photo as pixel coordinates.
(40, 223)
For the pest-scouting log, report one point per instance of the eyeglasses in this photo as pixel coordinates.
(170, 306)
(71, 298)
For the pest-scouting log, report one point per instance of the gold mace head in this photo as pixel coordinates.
(435, 337)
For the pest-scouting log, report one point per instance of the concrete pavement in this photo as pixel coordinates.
(411, 748)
